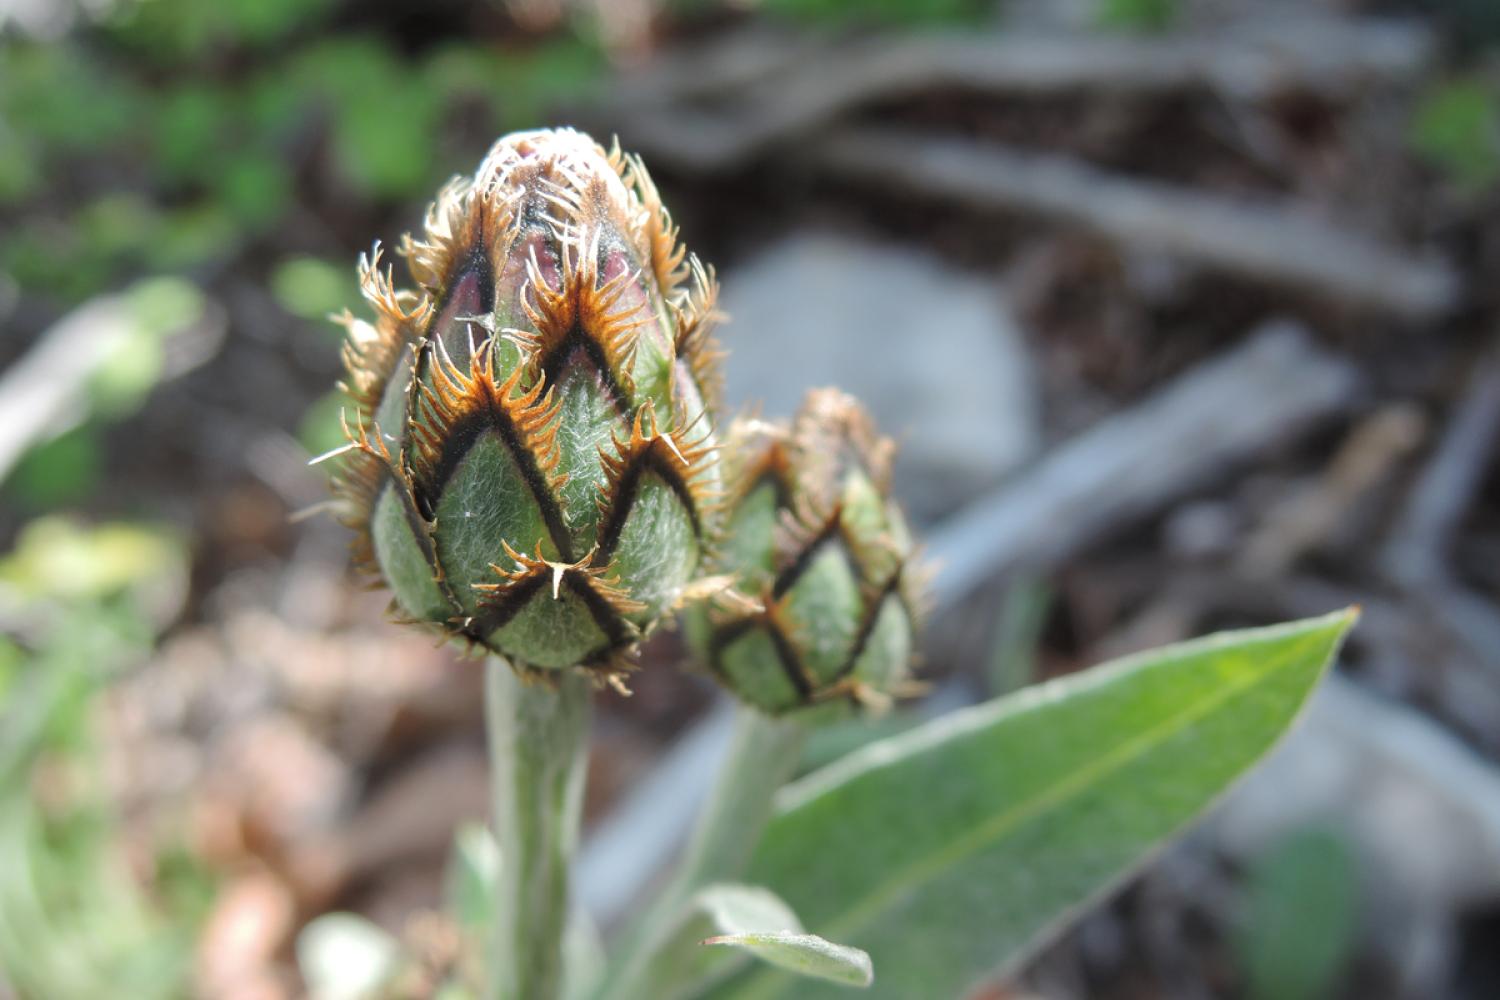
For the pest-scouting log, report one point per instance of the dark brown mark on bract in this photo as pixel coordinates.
(867, 627)
(667, 469)
(786, 656)
(513, 599)
(788, 577)
(473, 294)
(579, 342)
(463, 436)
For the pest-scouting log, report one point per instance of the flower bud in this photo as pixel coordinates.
(531, 462)
(825, 603)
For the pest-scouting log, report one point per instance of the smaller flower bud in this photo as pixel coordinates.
(823, 607)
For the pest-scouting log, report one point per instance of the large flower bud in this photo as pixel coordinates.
(531, 461)
(826, 603)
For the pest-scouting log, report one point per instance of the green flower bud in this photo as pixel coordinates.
(531, 464)
(825, 600)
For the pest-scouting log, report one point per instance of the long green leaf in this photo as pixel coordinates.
(948, 851)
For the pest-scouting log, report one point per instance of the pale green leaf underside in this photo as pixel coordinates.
(804, 955)
(945, 852)
(757, 921)
(741, 909)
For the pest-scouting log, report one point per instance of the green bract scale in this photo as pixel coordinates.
(825, 597)
(531, 464)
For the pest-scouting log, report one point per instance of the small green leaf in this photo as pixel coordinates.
(255, 187)
(910, 13)
(193, 235)
(189, 124)
(321, 428)
(949, 851)
(1457, 129)
(805, 954)
(1303, 917)
(384, 140)
(56, 473)
(59, 558)
(740, 909)
(756, 920)
(1137, 15)
(312, 288)
(20, 167)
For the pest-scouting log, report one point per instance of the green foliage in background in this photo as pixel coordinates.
(1456, 128)
(64, 464)
(908, 13)
(176, 31)
(1136, 15)
(313, 288)
(81, 604)
(174, 134)
(56, 473)
(1303, 916)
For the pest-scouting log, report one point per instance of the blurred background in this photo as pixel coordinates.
(1187, 313)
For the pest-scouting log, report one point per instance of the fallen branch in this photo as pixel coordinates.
(777, 90)
(1270, 241)
(44, 393)
(1449, 481)
(1262, 393)
(1313, 515)
(1414, 559)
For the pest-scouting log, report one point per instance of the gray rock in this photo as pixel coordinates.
(931, 350)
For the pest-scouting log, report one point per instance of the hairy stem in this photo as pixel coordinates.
(762, 756)
(538, 738)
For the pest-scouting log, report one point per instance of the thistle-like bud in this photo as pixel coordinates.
(531, 462)
(826, 600)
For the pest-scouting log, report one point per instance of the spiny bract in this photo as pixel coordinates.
(827, 598)
(531, 463)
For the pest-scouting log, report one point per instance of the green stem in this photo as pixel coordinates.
(538, 738)
(763, 755)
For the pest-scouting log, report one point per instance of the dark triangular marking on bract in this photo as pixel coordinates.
(786, 656)
(876, 605)
(580, 314)
(507, 603)
(791, 663)
(832, 530)
(457, 409)
(562, 356)
(606, 616)
(606, 603)
(678, 464)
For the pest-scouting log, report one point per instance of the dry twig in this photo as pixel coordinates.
(778, 90)
(1268, 241)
